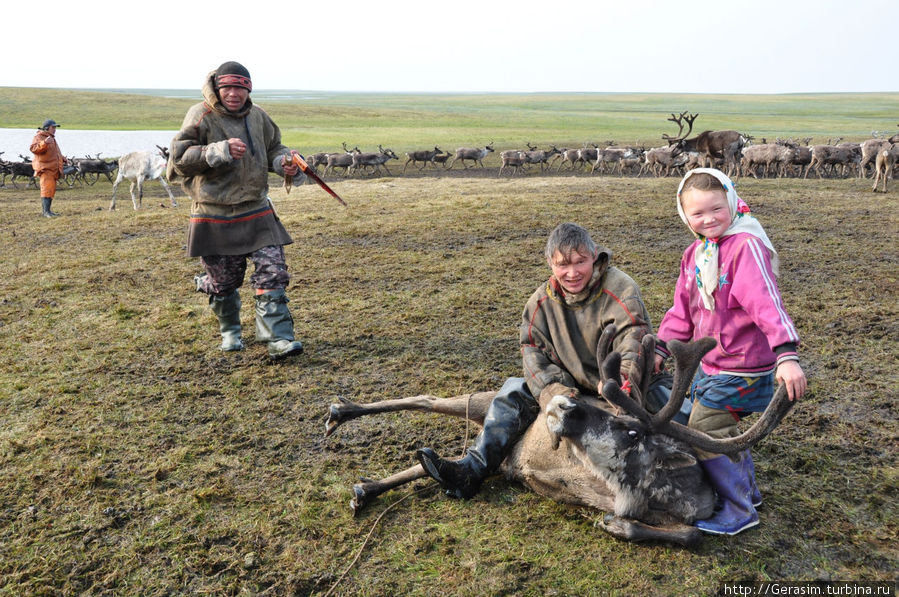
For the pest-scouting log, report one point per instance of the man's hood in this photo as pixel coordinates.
(212, 99)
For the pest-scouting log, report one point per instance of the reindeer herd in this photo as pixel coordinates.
(733, 152)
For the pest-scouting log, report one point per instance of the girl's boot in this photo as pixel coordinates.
(755, 495)
(735, 512)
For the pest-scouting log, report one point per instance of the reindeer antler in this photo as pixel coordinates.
(679, 120)
(610, 377)
(687, 357)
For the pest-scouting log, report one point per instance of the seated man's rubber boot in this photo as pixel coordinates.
(510, 413)
(274, 325)
(735, 512)
(227, 309)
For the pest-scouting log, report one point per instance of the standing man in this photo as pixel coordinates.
(47, 163)
(222, 157)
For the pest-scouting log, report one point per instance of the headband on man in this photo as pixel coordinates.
(233, 81)
(233, 74)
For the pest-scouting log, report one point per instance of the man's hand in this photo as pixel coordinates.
(237, 148)
(290, 169)
(791, 375)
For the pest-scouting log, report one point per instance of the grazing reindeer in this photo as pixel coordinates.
(584, 451)
(884, 165)
(475, 155)
(424, 156)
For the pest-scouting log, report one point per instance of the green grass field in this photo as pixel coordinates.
(405, 122)
(137, 459)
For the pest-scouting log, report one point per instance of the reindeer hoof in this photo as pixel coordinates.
(335, 415)
(360, 499)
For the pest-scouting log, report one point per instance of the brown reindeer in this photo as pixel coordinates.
(606, 452)
(884, 165)
(715, 145)
(474, 154)
(425, 156)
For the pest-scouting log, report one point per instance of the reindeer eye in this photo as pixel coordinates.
(632, 433)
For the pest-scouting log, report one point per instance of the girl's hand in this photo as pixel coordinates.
(790, 375)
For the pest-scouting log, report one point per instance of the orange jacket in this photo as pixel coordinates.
(47, 156)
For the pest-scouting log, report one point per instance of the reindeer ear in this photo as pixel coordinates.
(677, 459)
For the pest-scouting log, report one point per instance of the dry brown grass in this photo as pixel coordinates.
(135, 458)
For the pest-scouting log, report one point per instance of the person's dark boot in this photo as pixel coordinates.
(509, 415)
(46, 202)
(227, 309)
(274, 325)
(735, 512)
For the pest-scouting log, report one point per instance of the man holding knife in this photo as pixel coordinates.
(222, 157)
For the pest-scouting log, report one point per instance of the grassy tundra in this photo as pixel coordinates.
(135, 458)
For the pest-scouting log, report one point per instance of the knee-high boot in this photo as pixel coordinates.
(510, 413)
(755, 496)
(735, 512)
(227, 309)
(274, 325)
(45, 204)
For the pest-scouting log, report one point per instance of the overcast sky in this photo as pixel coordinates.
(707, 46)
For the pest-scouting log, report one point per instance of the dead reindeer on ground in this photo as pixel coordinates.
(605, 452)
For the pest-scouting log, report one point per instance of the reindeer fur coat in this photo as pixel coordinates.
(231, 213)
(559, 332)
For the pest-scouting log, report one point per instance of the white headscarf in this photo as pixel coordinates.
(706, 255)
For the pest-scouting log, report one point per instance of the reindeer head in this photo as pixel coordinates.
(647, 459)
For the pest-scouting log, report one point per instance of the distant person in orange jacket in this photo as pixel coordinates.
(47, 163)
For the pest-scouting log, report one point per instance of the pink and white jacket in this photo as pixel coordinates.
(750, 323)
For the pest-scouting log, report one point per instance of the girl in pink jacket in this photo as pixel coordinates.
(727, 289)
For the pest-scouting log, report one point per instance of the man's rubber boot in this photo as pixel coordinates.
(227, 309)
(735, 512)
(510, 413)
(46, 202)
(275, 325)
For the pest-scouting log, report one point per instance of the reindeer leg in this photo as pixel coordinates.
(629, 529)
(369, 489)
(471, 406)
(169, 191)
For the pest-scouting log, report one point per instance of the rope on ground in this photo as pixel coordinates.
(396, 503)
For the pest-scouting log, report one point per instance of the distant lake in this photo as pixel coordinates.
(80, 143)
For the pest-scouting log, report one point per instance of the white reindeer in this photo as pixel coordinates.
(137, 167)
